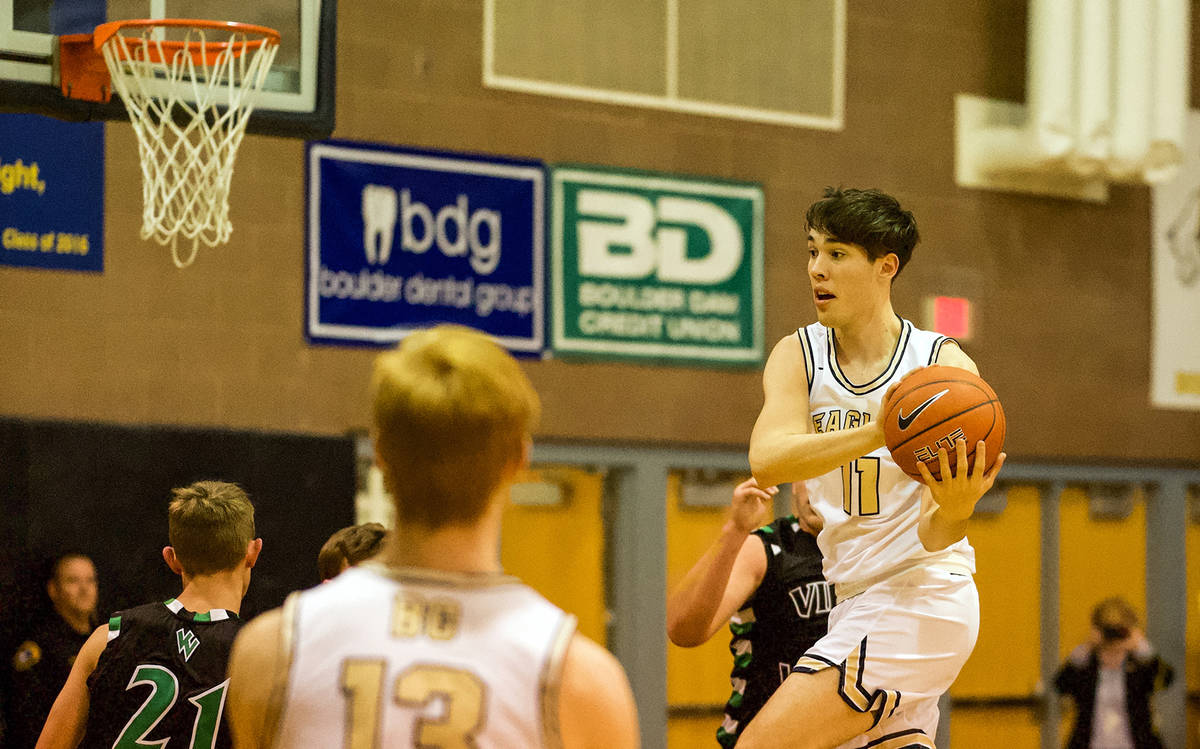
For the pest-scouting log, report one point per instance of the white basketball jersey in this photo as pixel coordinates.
(407, 658)
(871, 508)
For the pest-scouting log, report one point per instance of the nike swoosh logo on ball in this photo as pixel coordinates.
(906, 421)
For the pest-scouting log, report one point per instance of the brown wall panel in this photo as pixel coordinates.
(1061, 288)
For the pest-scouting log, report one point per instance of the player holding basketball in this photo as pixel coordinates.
(429, 644)
(907, 611)
(155, 674)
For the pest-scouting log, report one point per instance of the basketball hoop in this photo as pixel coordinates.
(187, 146)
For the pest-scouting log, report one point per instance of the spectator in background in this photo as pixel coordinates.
(1112, 677)
(349, 546)
(44, 653)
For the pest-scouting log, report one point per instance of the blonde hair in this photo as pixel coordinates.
(210, 524)
(452, 411)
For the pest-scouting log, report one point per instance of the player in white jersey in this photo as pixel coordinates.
(907, 611)
(430, 644)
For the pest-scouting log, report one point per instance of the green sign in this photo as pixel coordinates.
(653, 266)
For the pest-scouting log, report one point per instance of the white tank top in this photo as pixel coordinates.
(870, 507)
(403, 658)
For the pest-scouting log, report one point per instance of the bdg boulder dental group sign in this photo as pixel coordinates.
(400, 239)
(643, 266)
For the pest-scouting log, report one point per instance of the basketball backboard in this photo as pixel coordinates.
(297, 99)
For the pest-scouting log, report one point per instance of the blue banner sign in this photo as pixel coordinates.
(51, 193)
(401, 239)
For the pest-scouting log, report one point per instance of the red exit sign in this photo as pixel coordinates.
(949, 315)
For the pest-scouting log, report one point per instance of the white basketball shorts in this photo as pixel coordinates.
(899, 645)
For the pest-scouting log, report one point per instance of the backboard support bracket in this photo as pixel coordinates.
(80, 71)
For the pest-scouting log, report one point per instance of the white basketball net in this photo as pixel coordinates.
(188, 145)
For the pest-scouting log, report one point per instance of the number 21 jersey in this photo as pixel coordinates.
(161, 679)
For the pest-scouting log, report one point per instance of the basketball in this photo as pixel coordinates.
(934, 408)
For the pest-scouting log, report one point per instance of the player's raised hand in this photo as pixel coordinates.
(957, 494)
(751, 506)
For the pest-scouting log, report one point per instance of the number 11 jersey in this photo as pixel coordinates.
(870, 507)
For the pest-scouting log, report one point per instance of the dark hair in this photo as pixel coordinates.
(353, 544)
(870, 219)
(56, 569)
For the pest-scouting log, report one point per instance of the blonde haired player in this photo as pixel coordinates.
(895, 549)
(430, 644)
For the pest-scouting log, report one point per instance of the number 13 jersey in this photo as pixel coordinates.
(412, 658)
(870, 507)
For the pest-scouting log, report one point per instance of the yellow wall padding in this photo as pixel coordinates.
(1097, 558)
(1193, 633)
(1008, 575)
(695, 676)
(1193, 616)
(994, 727)
(559, 550)
(692, 732)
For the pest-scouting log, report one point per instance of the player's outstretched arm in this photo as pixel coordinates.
(68, 717)
(947, 505)
(256, 667)
(595, 704)
(783, 446)
(728, 573)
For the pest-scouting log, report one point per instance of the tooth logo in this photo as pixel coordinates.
(379, 207)
(455, 229)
